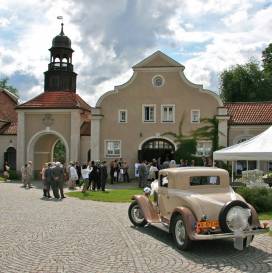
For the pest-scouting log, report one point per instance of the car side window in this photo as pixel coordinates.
(163, 181)
(204, 180)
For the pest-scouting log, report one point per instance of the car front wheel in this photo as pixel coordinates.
(180, 234)
(136, 215)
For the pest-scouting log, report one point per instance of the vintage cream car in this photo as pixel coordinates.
(197, 203)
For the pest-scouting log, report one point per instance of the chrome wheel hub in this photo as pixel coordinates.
(180, 232)
(137, 214)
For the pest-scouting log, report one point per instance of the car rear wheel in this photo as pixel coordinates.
(180, 234)
(236, 205)
(136, 215)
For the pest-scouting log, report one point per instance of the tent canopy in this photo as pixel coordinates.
(256, 148)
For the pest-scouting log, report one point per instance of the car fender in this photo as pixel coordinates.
(254, 215)
(189, 218)
(149, 212)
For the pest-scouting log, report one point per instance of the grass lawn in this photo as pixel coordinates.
(2, 179)
(119, 196)
(265, 215)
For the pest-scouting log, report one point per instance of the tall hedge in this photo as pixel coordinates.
(259, 198)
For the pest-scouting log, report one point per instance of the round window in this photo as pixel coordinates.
(158, 81)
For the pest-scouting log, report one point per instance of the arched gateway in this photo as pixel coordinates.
(156, 148)
(41, 147)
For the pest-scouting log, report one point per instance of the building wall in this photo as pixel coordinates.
(138, 91)
(237, 132)
(85, 144)
(34, 123)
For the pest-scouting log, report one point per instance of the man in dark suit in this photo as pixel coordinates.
(58, 177)
(103, 175)
(143, 174)
(48, 174)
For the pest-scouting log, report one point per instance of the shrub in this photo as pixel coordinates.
(259, 198)
(186, 150)
(13, 175)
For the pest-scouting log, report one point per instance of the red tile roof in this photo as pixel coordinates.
(56, 99)
(250, 113)
(10, 128)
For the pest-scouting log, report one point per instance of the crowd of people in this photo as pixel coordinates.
(148, 171)
(90, 176)
(93, 175)
(54, 175)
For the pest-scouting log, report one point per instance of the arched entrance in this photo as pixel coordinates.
(42, 148)
(10, 157)
(58, 151)
(155, 148)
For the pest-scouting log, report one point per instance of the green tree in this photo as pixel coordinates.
(59, 152)
(4, 84)
(244, 83)
(267, 61)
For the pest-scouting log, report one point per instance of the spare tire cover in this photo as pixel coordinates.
(224, 211)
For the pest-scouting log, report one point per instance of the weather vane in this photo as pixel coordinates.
(60, 18)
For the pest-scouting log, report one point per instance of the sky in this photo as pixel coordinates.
(109, 37)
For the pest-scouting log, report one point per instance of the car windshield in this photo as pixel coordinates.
(204, 180)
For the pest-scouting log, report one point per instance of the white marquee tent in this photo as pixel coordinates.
(256, 148)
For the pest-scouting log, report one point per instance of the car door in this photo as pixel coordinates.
(163, 198)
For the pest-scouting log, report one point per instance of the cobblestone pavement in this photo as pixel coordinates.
(78, 236)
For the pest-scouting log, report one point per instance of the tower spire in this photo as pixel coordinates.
(61, 32)
(60, 75)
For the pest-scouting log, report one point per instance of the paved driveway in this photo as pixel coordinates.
(84, 236)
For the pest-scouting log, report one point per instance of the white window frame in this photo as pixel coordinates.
(153, 81)
(143, 113)
(174, 113)
(119, 115)
(106, 155)
(195, 110)
(203, 141)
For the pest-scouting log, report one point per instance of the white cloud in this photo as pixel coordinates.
(110, 36)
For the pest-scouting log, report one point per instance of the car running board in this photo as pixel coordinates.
(161, 226)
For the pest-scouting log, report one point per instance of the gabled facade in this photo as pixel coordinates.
(131, 121)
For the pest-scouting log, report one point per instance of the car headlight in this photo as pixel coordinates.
(237, 218)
